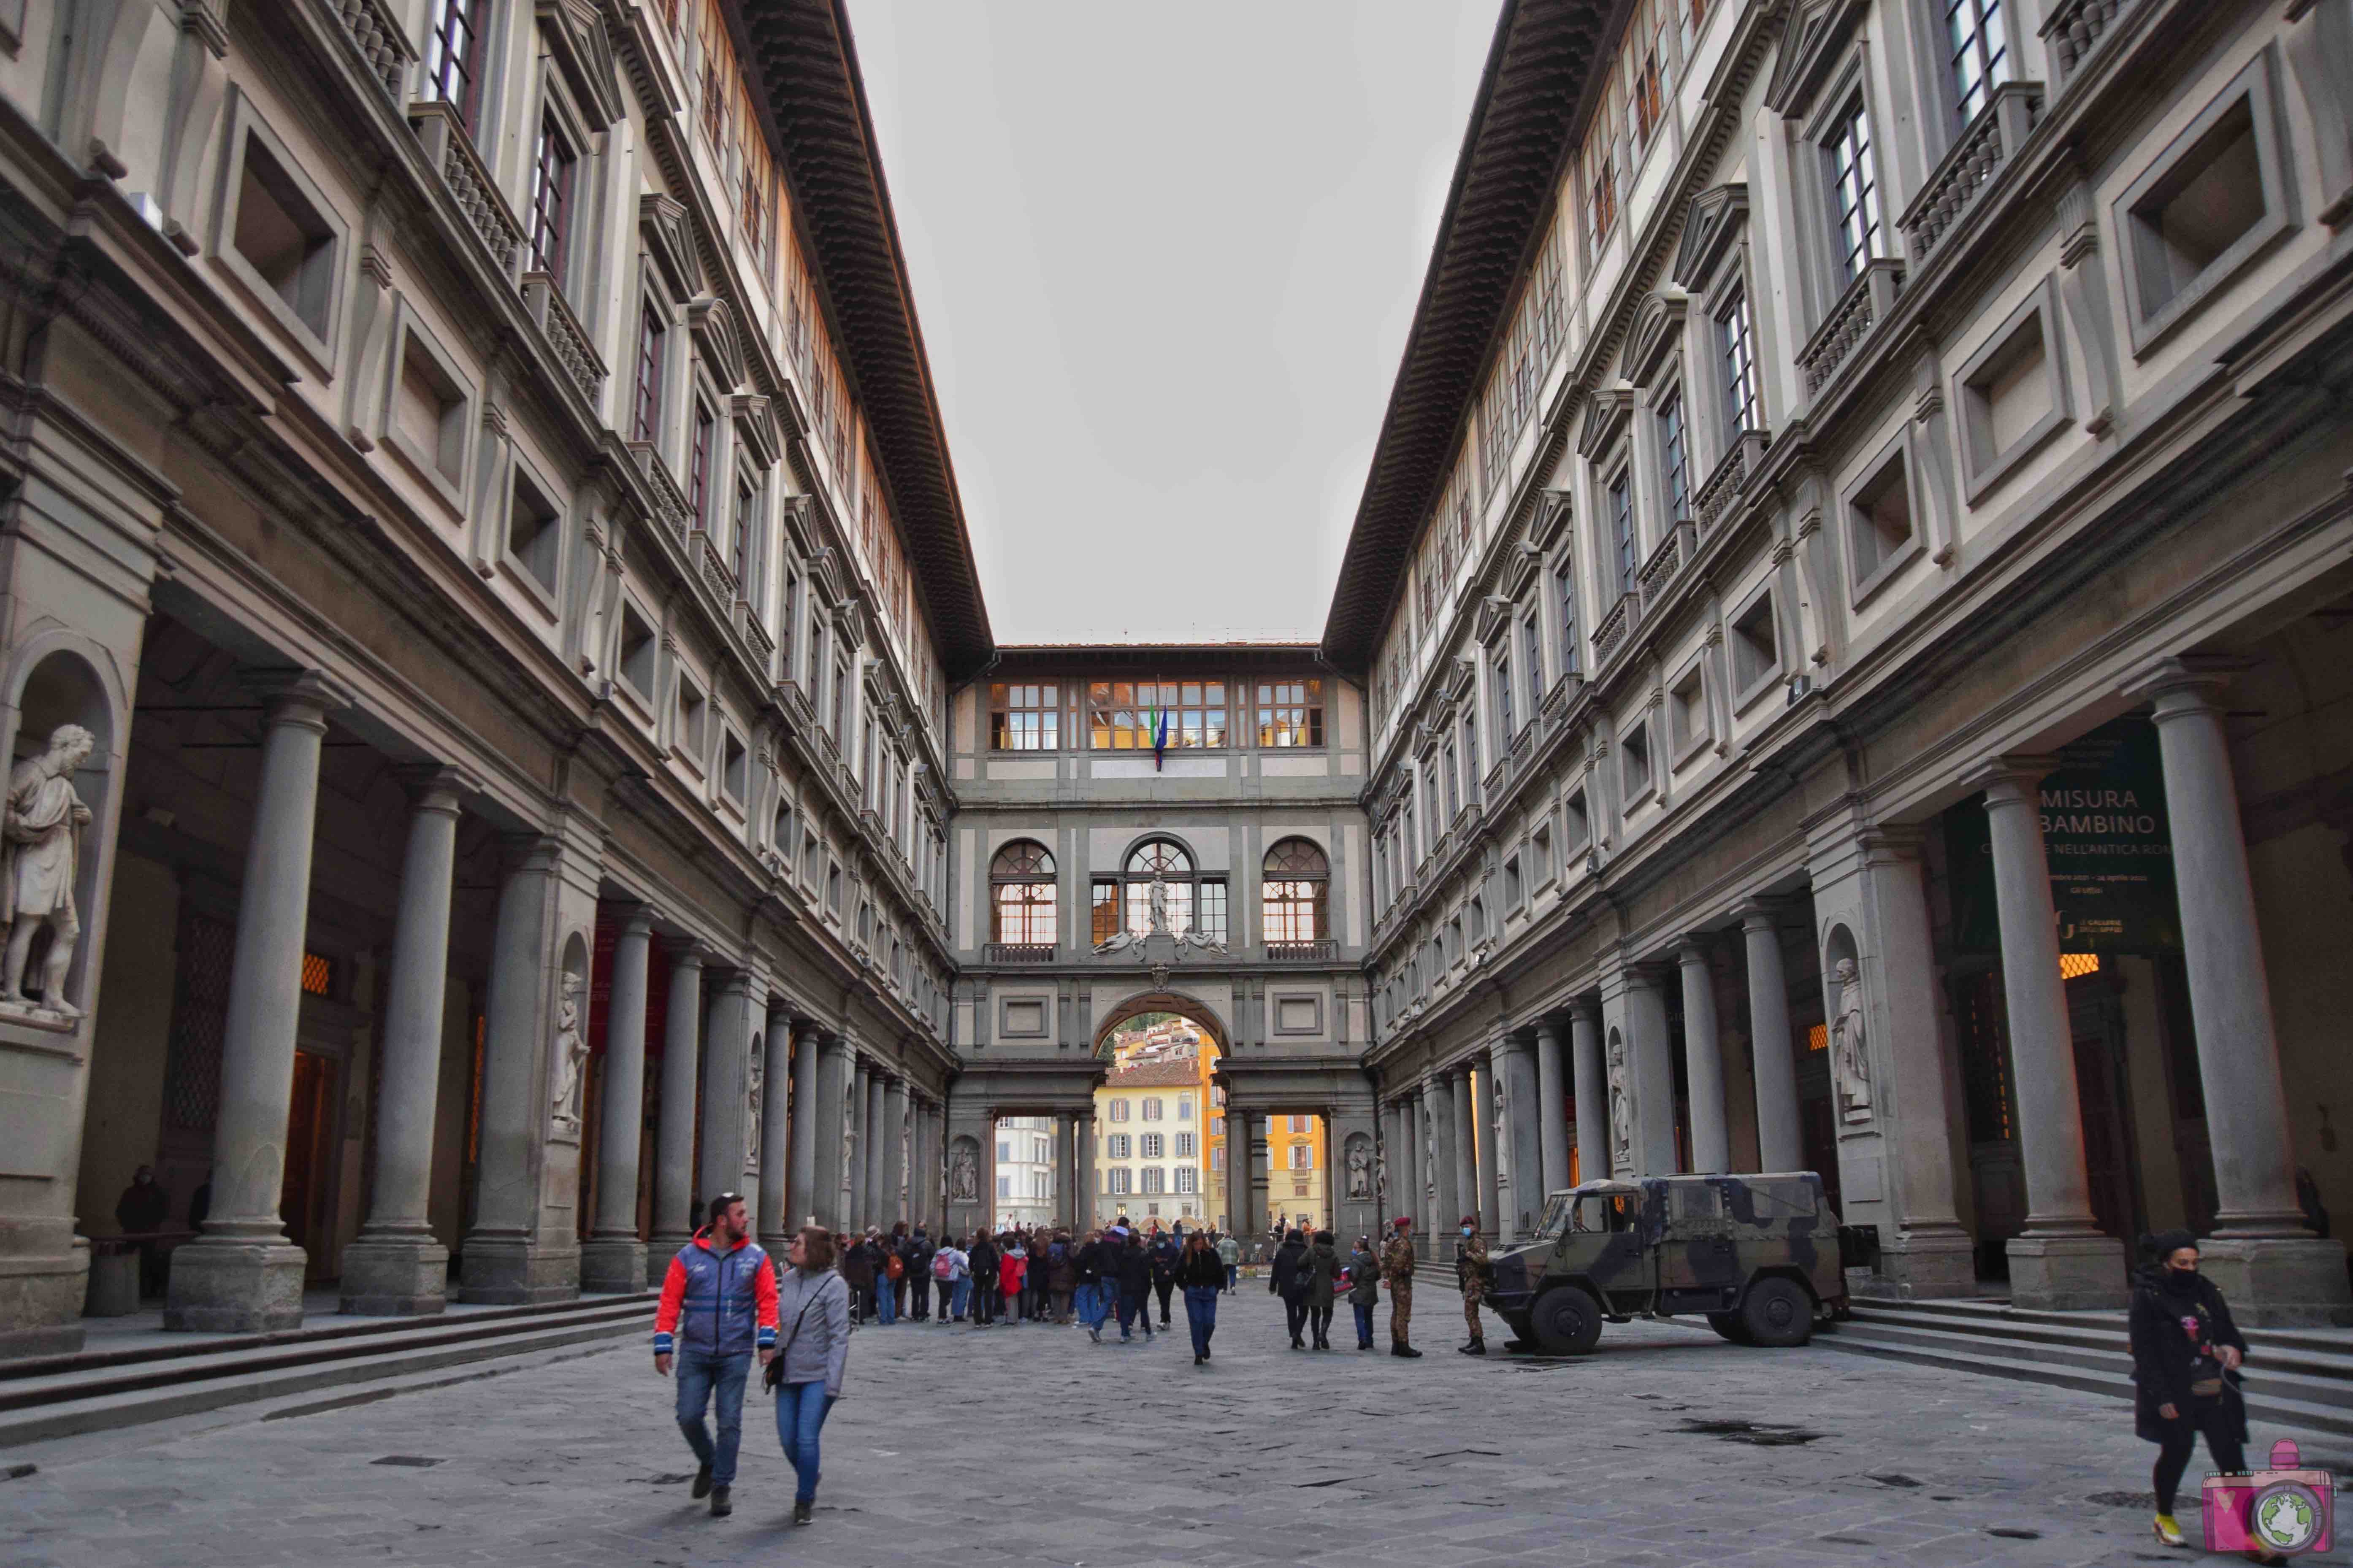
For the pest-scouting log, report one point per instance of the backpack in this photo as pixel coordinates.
(943, 1265)
(894, 1267)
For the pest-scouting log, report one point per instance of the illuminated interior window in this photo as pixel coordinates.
(317, 972)
(1818, 1038)
(2076, 965)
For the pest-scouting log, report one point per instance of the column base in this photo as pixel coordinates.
(665, 1246)
(227, 1285)
(2279, 1282)
(396, 1276)
(515, 1271)
(1925, 1265)
(42, 1292)
(2067, 1273)
(613, 1265)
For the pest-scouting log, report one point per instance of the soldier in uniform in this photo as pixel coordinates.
(1470, 1270)
(1396, 1273)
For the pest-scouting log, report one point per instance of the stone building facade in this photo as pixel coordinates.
(1840, 661)
(1859, 528)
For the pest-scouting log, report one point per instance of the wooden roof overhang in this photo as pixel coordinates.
(1533, 99)
(806, 79)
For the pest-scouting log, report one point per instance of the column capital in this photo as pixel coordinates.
(437, 786)
(638, 920)
(689, 953)
(734, 983)
(2011, 780)
(1548, 1024)
(527, 851)
(1888, 843)
(1691, 951)
(1587, 1008)
(2186, 683)
(296, 696)
(1760, 913)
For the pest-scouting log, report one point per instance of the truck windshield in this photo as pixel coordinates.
(1555, 1217)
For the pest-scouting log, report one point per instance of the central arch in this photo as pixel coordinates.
(1211, 1022)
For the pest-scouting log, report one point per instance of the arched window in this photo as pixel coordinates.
(1021, 893)
(1194, 902)
(1293, 897)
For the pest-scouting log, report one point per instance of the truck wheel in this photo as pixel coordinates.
(1776, 1313)
(1731, 1326)
(1567, 1320)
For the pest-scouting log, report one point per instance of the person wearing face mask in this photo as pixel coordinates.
(1472, 1269)
(2186, 1353)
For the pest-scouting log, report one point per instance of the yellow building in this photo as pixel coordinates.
(1296, 1161)
(1152, 1148)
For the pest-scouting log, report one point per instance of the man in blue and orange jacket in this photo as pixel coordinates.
(718, 1305)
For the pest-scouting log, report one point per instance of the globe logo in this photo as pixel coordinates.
(2285, 1519)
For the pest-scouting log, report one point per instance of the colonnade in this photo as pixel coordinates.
(733, 1048)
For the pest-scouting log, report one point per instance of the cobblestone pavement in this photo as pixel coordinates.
(967, 1449)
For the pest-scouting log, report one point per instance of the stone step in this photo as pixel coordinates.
(2324, 1355)
(1993, 1310)
(56, 1405)
(2301, 1401)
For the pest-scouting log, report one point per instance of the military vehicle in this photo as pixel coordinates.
(1758, 1255)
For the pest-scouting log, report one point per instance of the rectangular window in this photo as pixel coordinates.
(1189, 1180)
(1184, 1145)
(1004, 1187)
(1025, 718)
(1505, 725)
(1152, 1109)
(1185, 1109)
(1155, 1180)
(1531, 649)
(1119, 1111)
(647, 424)
(1564, 579)
(698, 467)
(453, 51)
(1302, 1156)
(1737, 347)
(1154, 1143)
(740, 546)
(1674, 455)
(1601, 209)
(1212, 922)
(1470, 754)
(841, 702)
(1290, 712)
(1980, 35)
(551, 199)
(1024, 913)
(1453, 783)
(1104, 923)
(1621, 529)
(1121, 1181)
(1139, 715)
(1854, 191)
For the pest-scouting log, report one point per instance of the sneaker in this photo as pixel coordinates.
(1094, 1333)
(702, 1482)
(1404, 1351)
(2168, 1532)
(1476, 1347)
(802, 1511)
(720, 1506)
(1198, 1360)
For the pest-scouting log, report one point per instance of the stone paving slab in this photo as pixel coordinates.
(1030, 1446)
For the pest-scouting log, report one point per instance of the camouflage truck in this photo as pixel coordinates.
(1759, 1256)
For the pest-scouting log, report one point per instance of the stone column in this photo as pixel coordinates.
(2272, 1267)
(613, 1258)
(1391, 1166)
(731, 1035)
(242, 1274)
(506, 1258)
(1261, 1171)
(1482, 1150)
(854, 1144)
(777, 1224)
(2062, 1262)
(1553, 1133)
(1085, 1168)
(1779, 1144)
(894, 1153)
(877, 1161)
(1592, 1090)
(1650, 1075)
(1446, 1204)
(673, 1217)
(1522, 1204)
(801, 1198)
(396, 1267)
(1710, 1145)
(1409, 1201)
(829, 1142)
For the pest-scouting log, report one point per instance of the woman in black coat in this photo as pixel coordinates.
(1287, 1280)
(2186, 1352)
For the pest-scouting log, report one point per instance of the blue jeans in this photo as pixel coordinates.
(886, 1302)
(1132, 1306)
(701, 1374)
(1233, 1275)
(1364, 1324)
(1201, 1315)
(1095, 1302)
(801, 1410)
(960, 1293)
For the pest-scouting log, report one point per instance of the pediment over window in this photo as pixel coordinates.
(1495, 618)
(1551, 517)
(800, 524)
(1812, 43)
(1526, 560)
(755, 427)
(1606, 415)
(577, 43)
(712, 321)
(1717, 217)
(824, 573)
(1458, 684)
(1658, 336)
(662, 225)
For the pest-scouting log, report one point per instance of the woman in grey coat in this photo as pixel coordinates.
(813, 1317)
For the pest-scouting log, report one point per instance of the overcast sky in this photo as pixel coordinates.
(1165, 259)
